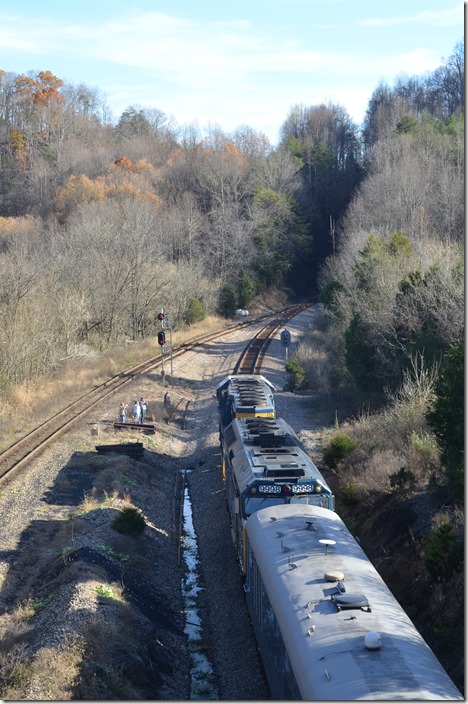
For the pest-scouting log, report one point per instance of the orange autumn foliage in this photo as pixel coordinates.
(78, 189)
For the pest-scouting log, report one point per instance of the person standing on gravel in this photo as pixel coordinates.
(167, 406)
(136, 412)
(143, 407)
(123, 411)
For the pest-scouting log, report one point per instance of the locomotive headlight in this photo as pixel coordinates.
(253, 490)
(318, 489)
(287, 489)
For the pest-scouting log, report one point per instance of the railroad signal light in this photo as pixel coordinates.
(286, 337)
(160, 316)
(161, 338)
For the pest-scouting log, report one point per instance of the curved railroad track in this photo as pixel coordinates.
(34, 442)
(250, 362)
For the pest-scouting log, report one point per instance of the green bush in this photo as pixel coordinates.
(226, 301)
(297, 374)
(443, 551)
(446, 416)
(129, 521)
(349, 494)
(246, 289)
(195, 311)
(329, 291)
(340, 447)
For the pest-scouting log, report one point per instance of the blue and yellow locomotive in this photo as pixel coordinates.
(244, 396)
(265, 465)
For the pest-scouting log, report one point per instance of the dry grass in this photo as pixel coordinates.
(24, 675)
(49, 674)
(316, 366)
(47, 572)
(68, 671)
(397, 437)
(31, 403)
(94, 499)
(316, 353)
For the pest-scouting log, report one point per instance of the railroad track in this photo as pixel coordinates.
(250, 362)
(27, 447)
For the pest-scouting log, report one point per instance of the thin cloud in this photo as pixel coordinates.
(447, 18)
(235, 72)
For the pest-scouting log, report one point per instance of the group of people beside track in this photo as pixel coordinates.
(140, 409)
(138, 413)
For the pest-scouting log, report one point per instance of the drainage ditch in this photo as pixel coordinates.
(202, 678)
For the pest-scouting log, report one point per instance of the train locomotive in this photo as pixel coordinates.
(244, 396)
(265, 464)
(327, 626)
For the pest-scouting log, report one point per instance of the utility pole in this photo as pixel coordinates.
(170, 340)
(162, 342)
(165, 319)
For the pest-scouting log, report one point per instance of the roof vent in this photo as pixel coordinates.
(334, 576)
(373, 640)
(351, 601)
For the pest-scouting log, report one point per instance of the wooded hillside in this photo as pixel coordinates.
(102, 225)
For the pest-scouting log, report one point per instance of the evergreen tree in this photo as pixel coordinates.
(447, 416)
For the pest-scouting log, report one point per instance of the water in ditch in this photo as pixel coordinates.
(202, 679)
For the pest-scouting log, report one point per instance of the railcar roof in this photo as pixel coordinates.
(277, 451)
(248, 391)
(245, 378)
(264, 432)
(326, 645)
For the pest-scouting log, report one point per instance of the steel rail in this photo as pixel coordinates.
(250, 362)
(34, 442)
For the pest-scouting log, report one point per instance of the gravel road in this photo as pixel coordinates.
(34, 522)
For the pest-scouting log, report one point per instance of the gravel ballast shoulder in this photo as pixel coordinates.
(36, 523)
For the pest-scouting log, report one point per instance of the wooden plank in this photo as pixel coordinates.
(148, 428)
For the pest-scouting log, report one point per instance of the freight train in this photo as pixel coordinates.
(264, 464)
(244, 396)
(327, 626)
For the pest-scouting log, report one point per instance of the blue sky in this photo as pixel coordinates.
(230, 64)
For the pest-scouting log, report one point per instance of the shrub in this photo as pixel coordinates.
(129, 521)
(195, 311)
(424, 444)
(246, 289)
(447, 416)
(403, 478)
(349, 494)
(340, 447)
(443, 551)
(227, 301)
(329, 291)
(297, 373)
